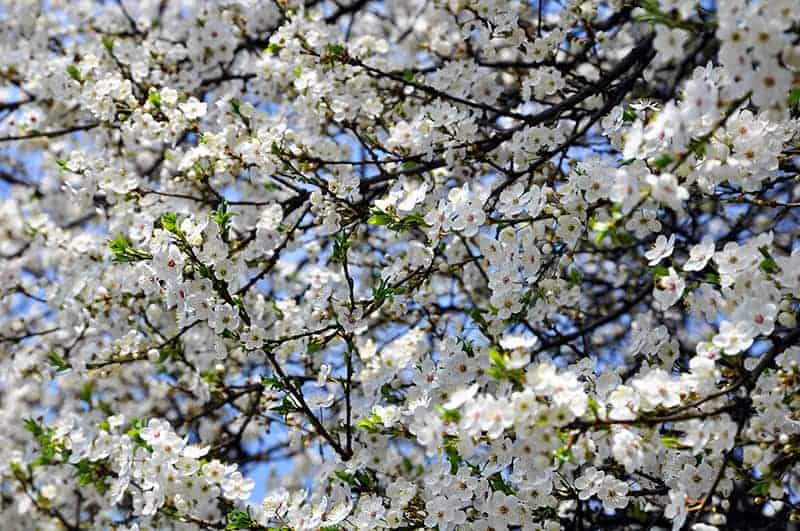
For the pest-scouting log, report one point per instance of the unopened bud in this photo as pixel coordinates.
(791, 57)
(787, 319)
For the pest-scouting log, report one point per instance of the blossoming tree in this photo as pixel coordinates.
(409, 264)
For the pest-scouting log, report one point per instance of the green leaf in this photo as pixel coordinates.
(370, 424)
(222, 216)
(392, 396)
(85, 476)
(629, 115)
(124, 252)
(496, 358)
(238, 519)
(86, 393)
(74, 73)
(497, 483)
(768, 264)
(594, 406)
(499, 371)
(638, 513)
(670, 441)
(170, 351)
(285, 407)
(48, 448)
(108, 44)
(393, 222)
(314, 346)
(379, 218)
(236, 106)
(383, 291)
(59, 363)
(276, 309)
(169, 221)
(659, 271)
(154, 98)
(91, 473)
(340, 247)
(794, 98)
(335, 50)
(563, 454)
(272, 383)
(33, 426)
(761, 488)
(345, 477)
(451, 451)
(698, 147)
(622, 238)
(448, 415)
(476, 315)
(663, 161)
(360, 481)
(134, 434)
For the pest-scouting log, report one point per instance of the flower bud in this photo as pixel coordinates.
(791, 57)
(787, 319)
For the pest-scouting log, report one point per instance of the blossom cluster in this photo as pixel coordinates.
(402, 264)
